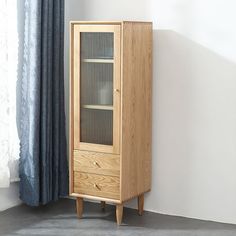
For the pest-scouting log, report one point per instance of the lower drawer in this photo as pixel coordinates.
(97, 185)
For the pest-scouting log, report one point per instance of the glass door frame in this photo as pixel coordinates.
(76, 61)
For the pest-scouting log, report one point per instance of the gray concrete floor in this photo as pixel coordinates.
(60, 219)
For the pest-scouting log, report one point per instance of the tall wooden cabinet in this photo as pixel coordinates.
(110, 112)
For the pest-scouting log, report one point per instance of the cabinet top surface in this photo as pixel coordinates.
(109, 22)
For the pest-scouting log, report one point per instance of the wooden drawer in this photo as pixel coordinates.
(97, 163)
(97, 185)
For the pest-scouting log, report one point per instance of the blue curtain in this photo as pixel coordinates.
(43, 154)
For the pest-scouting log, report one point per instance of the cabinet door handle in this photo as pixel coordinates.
(96, 186)
(116, 90)
(96, 164)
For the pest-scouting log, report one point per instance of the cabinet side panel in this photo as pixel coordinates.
(71, 111)
(136, 109)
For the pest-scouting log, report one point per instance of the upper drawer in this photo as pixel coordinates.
(97, 162)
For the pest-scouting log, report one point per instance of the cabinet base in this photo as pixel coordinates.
(79, 207)
(103, 205)
(119, 213)
(119, 208)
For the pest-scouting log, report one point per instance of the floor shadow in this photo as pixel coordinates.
(60, 219)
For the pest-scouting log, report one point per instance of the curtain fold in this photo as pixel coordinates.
(43, 155)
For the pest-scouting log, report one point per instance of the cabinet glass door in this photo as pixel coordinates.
(98, 88)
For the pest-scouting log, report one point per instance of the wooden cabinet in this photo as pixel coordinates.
(110, 112)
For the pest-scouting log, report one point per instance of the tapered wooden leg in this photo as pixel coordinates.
(119, 213)
(103, 205)
(79, 207)
(140, 204)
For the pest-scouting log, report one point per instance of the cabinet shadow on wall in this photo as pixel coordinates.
(194, 113)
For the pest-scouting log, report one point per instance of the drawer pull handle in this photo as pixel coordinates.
(96, 164)
(96, 186)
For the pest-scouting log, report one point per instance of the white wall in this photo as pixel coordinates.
(9, 197)
(194, 100)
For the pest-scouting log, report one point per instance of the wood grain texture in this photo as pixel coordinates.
(119, 213)
(140, 204)
(79, 207)
(97, 163)
(96, 22)
(136, 109)
(96, 198)
(96, 147)
(76, 86)
(97, 28)
(108, 22)
(97, 185)
(116, 89)
(103, 205)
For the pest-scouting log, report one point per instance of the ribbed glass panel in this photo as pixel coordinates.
(96, 88)
(96, 83)
(97, 126)
(96, 45)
